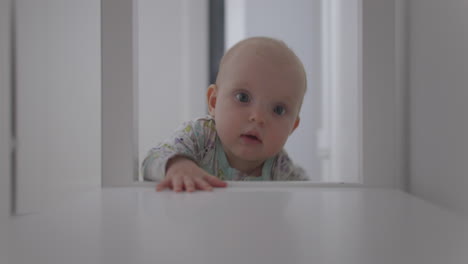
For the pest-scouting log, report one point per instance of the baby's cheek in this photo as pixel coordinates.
(280, 137)
(224, 130)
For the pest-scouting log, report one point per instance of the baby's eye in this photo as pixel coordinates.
(279, 110)
(243, 97)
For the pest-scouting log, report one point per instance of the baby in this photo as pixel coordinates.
(254, 107)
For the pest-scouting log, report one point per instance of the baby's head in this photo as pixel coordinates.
(257, 98)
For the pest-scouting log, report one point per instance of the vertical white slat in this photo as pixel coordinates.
(378, 98)
(340, 134)
(402, 95)
(119, 164)
(5, 125)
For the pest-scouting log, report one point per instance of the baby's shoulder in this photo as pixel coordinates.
(204, 125)
(284, 168)
(198, 124)
(201, 129)
(282, 161)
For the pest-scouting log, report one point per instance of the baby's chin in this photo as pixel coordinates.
(251, 156)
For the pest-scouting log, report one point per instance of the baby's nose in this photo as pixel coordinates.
(257, 115)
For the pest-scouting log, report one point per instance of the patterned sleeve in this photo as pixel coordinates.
(285, 170)
(185, 141)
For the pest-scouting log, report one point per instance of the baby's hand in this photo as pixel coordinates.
(182, 173)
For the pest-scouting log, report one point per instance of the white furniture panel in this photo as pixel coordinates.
(439, 93)
(242, 224)
(58, 100)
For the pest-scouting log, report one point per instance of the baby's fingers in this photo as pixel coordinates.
(189, 184)
(166, 183)
(214, 181)
(202, 184)
(177, 184)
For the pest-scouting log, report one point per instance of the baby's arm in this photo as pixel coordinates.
(173, 163)
(184, 174)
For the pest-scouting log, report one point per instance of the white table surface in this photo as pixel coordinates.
(241, 225)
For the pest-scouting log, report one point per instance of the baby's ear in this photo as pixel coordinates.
(296, 124)
(211, 98)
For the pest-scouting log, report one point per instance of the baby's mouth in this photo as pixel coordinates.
(251, 137)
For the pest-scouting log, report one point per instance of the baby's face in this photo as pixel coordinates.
(257, 103)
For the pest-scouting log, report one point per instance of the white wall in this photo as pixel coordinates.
(5, 191)
(439, 101)
(172, 67)
(58, 100)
